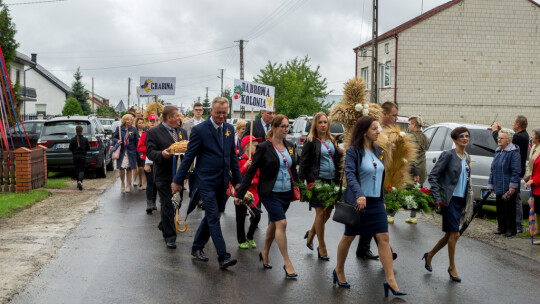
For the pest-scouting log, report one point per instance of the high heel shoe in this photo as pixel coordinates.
(265, 266)
(394, 292)
(428, 268)
(336, 281)
(455, 279)
(289, 275)
(322, 257)
(310, 246)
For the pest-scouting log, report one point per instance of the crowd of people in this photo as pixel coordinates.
(223, 161)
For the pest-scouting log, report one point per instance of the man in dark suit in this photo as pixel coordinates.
(212, 143)
(158, 141)
(261, 126)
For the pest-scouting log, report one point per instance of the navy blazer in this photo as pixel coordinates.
(444, 177)
(214, 164)
(353, 162)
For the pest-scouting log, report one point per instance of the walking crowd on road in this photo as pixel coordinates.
(255, 164)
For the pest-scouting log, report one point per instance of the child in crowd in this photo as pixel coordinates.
(79, 146)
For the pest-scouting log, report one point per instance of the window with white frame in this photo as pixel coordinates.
(365, 75)
(385, 75)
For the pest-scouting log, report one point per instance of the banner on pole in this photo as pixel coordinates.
(253, 95)
(156, 86)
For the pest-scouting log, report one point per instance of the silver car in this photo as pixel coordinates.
(481, 149)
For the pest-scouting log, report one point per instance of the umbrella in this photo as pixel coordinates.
(477, 209)
(531, 217)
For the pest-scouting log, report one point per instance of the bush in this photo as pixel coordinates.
(72, 107)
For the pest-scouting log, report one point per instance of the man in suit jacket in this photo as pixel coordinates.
(197, 118)
(212, 142)
(158, 141)
(261, 126)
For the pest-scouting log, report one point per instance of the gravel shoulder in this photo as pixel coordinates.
(482, 230)
(30, 239)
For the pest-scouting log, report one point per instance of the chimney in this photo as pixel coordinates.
(34, 57)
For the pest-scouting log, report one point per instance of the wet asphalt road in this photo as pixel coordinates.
(117, 255)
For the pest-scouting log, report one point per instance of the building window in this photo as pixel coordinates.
(385, 75)
(365, 76)
(387, 48)
(18, 76)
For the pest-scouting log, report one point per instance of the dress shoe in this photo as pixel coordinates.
(171, 245)
(199, 254)
(509, 234)
(265, 266)
(322, 257)
(499, 232)
(428, 267)
(455, 279)
(367, 255)
(310, 246)
(336, 281)
(394, 292)
(289, 275)
(149, 207)
(227, 263)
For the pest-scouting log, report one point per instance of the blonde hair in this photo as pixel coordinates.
(124, 118)
(313, 131)
(276, 123)
(220, 100)
(240, 124)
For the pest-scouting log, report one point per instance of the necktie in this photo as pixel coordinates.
(267, 128)
(174, 135)
(220, 136)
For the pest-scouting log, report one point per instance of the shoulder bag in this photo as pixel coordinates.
(116, 152)
(346, 213)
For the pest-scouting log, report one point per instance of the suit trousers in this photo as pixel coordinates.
(214, 203)
(241, 212)
(80, 164)
(364, 244)
(166, 225)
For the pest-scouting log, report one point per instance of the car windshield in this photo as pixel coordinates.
(106, 122)
(336, 128)
(481, 143)
(66, 127)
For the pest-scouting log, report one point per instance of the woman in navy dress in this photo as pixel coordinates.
(126, 141)
(450, 182)
(364, 171)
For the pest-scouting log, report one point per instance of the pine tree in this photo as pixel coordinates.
(78, 92)
(7, 35)
(206, 105)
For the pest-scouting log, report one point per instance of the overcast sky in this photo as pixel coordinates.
(112, 40)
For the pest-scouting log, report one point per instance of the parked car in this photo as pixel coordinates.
(107, 124)
(403, 123)
(57, 133)
(33, 129)
(300, 130)
(114, 126)
(481, 150)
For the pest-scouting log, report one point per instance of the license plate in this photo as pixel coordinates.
(491, 196)
(62, 146)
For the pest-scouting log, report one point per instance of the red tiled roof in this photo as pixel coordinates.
(419, 19)
(99, 103)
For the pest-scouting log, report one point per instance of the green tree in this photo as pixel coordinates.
(79, 93)
(106, 111)
(206, 106)
(7, 35)
(298, 87)
(72, 107)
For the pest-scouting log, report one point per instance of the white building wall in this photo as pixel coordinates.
(47, 93)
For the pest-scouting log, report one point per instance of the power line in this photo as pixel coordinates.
(266, 19)
(277, 19)
(35, 2)
(154, 62)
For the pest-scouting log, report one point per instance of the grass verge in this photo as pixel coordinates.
(13, 202)
(57, 180)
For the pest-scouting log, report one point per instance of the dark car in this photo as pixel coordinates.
(57, 133)
(33, 130)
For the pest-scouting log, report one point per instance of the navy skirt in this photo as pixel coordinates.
(451, 214)
(373, 219)
(277, 204)
(314, 205)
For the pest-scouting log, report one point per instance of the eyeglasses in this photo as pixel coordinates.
(284, 127)
(464, 136)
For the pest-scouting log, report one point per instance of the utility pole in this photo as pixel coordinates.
(374, 60)
(242, 108)
(221, 80)
(129, 90)
(93, 95)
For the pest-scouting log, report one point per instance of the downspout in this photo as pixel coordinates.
(356, 63)
(395, 70)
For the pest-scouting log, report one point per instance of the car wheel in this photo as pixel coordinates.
(102, 171)
(110, 166)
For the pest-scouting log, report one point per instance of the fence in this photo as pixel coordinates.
(24, 170)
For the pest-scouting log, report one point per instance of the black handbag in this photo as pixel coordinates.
(346, 213)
